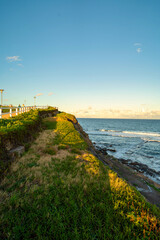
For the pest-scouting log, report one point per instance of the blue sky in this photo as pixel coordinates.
(94, 58)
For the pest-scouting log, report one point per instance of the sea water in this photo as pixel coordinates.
(129, 139)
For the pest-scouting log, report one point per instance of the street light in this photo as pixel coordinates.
(1, 90)
(34, 100)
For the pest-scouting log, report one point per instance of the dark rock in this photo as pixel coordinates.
(111, 150)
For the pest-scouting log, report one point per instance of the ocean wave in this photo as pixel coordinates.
(104, 130)
(146, 136)
(133, 132)
(150, 140)
(143, 133)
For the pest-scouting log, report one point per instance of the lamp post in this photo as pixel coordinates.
(1, 90)
(35, 101)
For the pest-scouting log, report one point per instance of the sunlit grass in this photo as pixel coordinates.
(71, 194)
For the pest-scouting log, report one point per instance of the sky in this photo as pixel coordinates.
(92, 58)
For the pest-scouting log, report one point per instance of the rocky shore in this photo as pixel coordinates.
(139, 167)
(133, 172)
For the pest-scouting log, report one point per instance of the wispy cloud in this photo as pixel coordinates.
(138, 47)
(20, 65)
(50, 94)
(13, 59)
(139, 50)
(137, 44)
(39, 94)
(116, 113)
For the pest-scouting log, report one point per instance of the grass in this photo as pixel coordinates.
(50, 150)
(67, 134)
(19, 130)
(71, 194)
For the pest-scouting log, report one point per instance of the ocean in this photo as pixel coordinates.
(135, 140)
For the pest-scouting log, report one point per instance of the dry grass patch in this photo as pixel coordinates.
(62, 154)
(44, 160)
(41, 142)
(92, 164)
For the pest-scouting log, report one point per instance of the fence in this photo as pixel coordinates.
(18, 110)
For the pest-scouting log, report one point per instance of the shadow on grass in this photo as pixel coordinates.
(79, 199)
(50, 123)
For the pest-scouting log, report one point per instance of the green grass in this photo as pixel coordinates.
(50, 150)
(8, 110)
(75, 197)
(50, 125)
(66, 133)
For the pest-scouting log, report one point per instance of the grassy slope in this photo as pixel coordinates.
(59, 190)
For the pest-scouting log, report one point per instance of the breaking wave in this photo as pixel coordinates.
(146, 136)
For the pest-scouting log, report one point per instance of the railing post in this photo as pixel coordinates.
(16, 111)
(0, 112)
(10, 112)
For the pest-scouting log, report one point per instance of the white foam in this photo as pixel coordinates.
(143, 133)
(151, 140)
(146, 136)
(103, 130)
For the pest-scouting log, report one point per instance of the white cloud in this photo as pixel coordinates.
(50, 94)
(13, 59)
(137, 44)
(116, 113)
(20, 65)
(39, 94)
(139, 50)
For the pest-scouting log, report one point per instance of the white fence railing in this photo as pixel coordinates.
(18, 110)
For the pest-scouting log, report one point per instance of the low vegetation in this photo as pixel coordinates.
(21, 122)
(8, 110)
(59, 190)
(19, 130)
